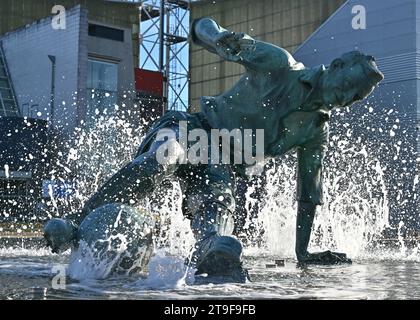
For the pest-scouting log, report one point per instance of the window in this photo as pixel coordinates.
(102, 88)
(106, 32)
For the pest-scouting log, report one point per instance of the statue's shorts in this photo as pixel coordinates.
(208, 189)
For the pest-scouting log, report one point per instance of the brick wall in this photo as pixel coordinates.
(27, 51)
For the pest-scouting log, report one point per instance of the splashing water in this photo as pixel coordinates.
(355, 210)
(166, 271)
(355, 204)
(88, 263)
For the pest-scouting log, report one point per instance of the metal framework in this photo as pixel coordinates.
(8, 103)
(164, 47)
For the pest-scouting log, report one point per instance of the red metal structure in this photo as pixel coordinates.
(149, 81)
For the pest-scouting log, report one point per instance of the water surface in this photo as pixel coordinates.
(27, 274)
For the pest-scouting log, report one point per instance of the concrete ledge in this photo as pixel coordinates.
(22, 242)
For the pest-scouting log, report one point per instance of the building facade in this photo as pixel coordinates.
(58, 72)
(67, 75)
(286, 23)
(388, 122)
(18, 13)
(316, 32)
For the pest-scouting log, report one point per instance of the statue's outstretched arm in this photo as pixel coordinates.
(206, 32)
(239, 47)
(309, 195)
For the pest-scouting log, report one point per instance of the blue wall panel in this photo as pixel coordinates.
(392, 35)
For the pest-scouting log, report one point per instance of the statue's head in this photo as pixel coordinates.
(59, 234)
(349, 79)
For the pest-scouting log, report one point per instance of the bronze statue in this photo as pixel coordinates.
(290, 102)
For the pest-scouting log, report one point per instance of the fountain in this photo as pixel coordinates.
(354, 220)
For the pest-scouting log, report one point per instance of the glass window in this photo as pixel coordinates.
(102, 88)
(106, 32)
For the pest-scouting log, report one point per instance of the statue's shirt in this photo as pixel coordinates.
(274, 94)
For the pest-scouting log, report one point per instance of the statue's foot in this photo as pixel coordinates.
(324, 258)
(219, 258)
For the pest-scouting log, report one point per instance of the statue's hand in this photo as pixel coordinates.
(59, 234)
(323, 258)
(229, 45)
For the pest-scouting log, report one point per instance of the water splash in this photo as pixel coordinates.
(355, 209)
(359, 180)
(86, 263)
(6, 171)
(167, 272)
(355, 213)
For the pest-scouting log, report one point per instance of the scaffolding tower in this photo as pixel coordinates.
(164, 28)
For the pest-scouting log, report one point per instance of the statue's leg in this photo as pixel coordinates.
(212, 206)
(130, 184)
(138, 178)
(243, 212)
